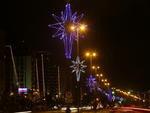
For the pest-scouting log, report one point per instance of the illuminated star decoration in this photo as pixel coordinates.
(91, 83)
(62, 28)
(78, 67)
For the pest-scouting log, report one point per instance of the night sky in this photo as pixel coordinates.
(119, 30)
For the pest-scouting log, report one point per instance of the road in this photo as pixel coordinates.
(117, 110)
(130, 110)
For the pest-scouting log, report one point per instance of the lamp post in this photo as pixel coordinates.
(96, 68)
(107, 84)
(99, 76)
(90, 54)
(37, 76)
(78, 67)
(43, 75)
(14, 66)
(58, 71)
(78, 28)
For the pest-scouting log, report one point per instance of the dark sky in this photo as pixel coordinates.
(117, 29)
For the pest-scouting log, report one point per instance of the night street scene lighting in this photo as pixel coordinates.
(78, 65)
(62, 29)
(74, 56)
(91, 55)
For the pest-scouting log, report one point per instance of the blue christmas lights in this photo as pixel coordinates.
(91, 83)
(62, 25)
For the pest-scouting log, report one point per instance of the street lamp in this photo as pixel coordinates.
(78, 65)
(129, 92)
(105, 80)
(90, 54)
(14, 66)
(101, 75)
(97, 75)
(78, 28)
(107, 84)
(95, 68)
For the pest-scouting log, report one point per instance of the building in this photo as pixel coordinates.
(30, 70)
(44, 68)
(24, 71)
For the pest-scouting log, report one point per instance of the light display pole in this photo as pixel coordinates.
(59, 92)
(78, 65)
(91, 55)
(62, 30)
(14, 66)
(43, 75)
(68, 34)
(37, 76)
(96, 68)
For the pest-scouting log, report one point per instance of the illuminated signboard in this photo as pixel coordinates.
(22, 90)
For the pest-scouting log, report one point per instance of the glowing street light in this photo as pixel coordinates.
(82, 27)
(72, 28)
(95, 68)
(97, 75)
(107, 84)
(91, 55)
(87, 54)
(129, 92)
(94, 54)
(101, 75)
(78, 29)
(105, 80)
(78, 66)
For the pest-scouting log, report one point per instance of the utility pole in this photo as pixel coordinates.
(14, 66)
(59, 92)
(43, 75)
(37, 76)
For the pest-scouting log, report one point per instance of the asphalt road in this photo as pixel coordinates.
(106, 111)
(117, 110)
(99, 111)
